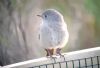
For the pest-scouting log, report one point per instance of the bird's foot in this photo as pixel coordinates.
(61, 55)
(52, 58)
(50, 53)
(58, 51)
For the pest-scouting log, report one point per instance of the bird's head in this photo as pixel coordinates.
(51, 15)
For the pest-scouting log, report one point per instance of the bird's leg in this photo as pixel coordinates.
(50, 52)
(58, 51)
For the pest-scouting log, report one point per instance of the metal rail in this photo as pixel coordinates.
(87, 58)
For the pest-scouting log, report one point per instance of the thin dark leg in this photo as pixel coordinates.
(47, 52)
(58, 51)
(50, 52)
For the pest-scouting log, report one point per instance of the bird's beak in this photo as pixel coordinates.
(39, 15)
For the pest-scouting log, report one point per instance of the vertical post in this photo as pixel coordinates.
(53, 65)
(98, 62)
(66, 65)
(73, 63)
(59, 65)
(85, 63)
(79, 63)
(46, 66)
(91, 62)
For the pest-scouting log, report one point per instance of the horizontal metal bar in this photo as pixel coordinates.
(76, 55)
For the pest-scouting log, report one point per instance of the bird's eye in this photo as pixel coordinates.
(45, 16)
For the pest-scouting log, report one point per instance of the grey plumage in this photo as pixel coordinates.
(53, 30)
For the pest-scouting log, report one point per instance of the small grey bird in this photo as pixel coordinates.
(53, 32)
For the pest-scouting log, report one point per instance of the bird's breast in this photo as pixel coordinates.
(55, 35)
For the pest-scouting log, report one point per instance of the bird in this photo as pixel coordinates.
(53, 32)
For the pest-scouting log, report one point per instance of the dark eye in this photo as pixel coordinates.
(45, 16)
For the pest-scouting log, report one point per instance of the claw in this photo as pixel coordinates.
(61, 56)
(59, 53)
(54, 58)
(50, 53)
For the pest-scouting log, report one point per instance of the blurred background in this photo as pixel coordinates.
(19, 27)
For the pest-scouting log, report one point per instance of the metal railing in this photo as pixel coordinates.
(87, 58)
(79, 63)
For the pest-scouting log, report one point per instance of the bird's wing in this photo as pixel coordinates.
(56, 38)
(46, 36)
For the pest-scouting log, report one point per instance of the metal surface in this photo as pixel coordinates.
(87, 58)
